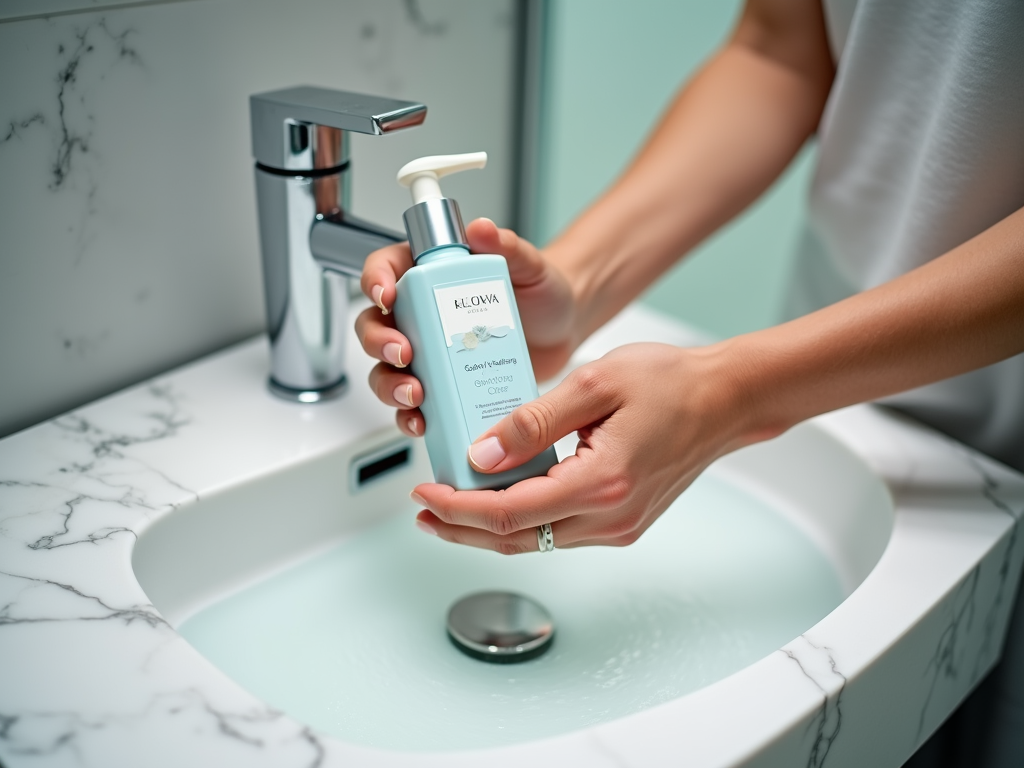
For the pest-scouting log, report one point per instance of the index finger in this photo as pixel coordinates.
(382, 270)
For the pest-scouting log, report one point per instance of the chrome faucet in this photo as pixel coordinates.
(308, 238)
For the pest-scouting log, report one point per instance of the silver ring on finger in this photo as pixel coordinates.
(545, 538)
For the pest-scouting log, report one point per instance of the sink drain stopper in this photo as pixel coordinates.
(500, 627)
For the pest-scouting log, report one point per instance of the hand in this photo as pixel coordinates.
(546, 307)
(650, 418)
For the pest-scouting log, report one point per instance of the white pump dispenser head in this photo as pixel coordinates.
(421, 176)
(434, 220)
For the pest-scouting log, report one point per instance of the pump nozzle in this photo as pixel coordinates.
(421, 176)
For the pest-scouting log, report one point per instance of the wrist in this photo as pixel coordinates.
(744, 392)
(570, 261)
(598, 290)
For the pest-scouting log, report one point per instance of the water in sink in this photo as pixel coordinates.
(353, 641)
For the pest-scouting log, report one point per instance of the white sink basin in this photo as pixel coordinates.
(192, 573)
(352, 641)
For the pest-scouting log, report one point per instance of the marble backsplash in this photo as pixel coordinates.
(128, 239)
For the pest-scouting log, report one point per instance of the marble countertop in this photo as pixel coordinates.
(92, 674)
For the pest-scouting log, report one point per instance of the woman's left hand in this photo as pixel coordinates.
(649, 417)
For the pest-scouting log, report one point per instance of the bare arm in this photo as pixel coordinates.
(725, 138)
(959, 312)
(651, 417)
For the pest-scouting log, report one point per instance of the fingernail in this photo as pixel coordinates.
(378, 297)
(403, 394)
(425, 528)
(484, 218)
(414, 425)
(393, 354)
(417, 499)
(486, 454)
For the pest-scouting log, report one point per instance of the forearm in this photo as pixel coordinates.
(960, 312)
(729, 133)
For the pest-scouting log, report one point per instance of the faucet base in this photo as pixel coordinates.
(330, 392)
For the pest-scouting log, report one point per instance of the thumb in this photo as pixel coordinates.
(526, 266)
(536, 426)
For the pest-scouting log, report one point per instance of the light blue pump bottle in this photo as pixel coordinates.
(459, 312)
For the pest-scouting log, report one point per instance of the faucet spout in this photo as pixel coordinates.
(341, 242)
(307, 235)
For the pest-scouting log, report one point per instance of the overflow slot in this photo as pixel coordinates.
(380, 463)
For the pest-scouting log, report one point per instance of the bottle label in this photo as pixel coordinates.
(492, 372)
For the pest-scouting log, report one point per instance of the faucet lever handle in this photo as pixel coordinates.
(275, 113)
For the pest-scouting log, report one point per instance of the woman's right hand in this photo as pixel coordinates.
(546, 307)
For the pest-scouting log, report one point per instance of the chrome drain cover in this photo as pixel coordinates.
(500, 627)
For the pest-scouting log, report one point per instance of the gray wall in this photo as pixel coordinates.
(128, 239)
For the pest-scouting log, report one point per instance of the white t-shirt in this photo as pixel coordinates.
(921, 148)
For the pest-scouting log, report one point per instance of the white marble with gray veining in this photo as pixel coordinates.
(128, 237)
(91, 674)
